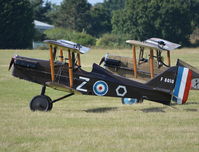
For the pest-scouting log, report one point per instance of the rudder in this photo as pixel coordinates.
(182, 85)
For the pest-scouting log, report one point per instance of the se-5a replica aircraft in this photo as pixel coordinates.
(67, 75)
(146, 67)
(149, 63)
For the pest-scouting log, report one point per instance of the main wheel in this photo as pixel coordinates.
(50, 103)
(41, 103)
(129, 100)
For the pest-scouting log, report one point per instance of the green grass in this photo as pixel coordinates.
(87, 124)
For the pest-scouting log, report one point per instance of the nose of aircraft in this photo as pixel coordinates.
(11, 62)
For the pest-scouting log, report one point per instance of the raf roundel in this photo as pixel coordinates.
(100, 88)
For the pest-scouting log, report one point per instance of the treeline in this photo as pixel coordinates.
(106, 24)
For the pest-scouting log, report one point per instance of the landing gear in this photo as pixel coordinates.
(51, 103)
(131, 100)
(43, 102)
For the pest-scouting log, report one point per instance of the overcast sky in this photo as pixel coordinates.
(90, 1)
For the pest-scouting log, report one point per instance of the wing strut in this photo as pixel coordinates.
(70, 70)
(134, 62)
(168, 59)
(72, 49)
(78, 59)
(151, 63)
(52, 70)
(61, 55)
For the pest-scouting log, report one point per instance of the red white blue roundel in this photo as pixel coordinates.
(100, 88)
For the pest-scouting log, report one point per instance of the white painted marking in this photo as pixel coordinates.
(182, 85)
(79, 87)
(124, 91)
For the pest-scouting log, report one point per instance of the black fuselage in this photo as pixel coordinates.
(98, 82)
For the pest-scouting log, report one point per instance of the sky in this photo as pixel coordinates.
(90, 1)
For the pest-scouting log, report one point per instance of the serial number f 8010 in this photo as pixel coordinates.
(167, 80)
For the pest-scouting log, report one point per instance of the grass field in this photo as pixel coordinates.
(87, 124)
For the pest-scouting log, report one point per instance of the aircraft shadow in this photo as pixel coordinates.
(191, 110)
(101, 110)
(188, 109)
(153, 109)
(189, 103)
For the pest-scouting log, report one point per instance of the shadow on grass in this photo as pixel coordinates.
(101, 110)
(154, 109)
(175, 106)
(191, 110)
(187, 103)
(190, 103)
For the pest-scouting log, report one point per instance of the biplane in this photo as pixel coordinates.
(150, 61)
(63, 72)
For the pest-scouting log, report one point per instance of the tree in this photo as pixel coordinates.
(74, 14)
(101, 14)
(168, 19)
(16, 24)
(195, 12)
(113, 5)
(41, 10)
(53, 14)
(100, 21)
(80, 16)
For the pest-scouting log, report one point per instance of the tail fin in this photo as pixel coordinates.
(165, 81)
(182, 85)
(175, 81)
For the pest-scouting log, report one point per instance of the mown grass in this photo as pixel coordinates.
(85, 123)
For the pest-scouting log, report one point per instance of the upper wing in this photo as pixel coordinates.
(155, 43)
(65, 45)
(142, 44)
(163, 44)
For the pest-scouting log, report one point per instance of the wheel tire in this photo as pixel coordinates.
(40, 103)
(50, 103)
(122, 99)
(129, 101)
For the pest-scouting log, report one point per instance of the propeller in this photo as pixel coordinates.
(102, 60)
(11, 63)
